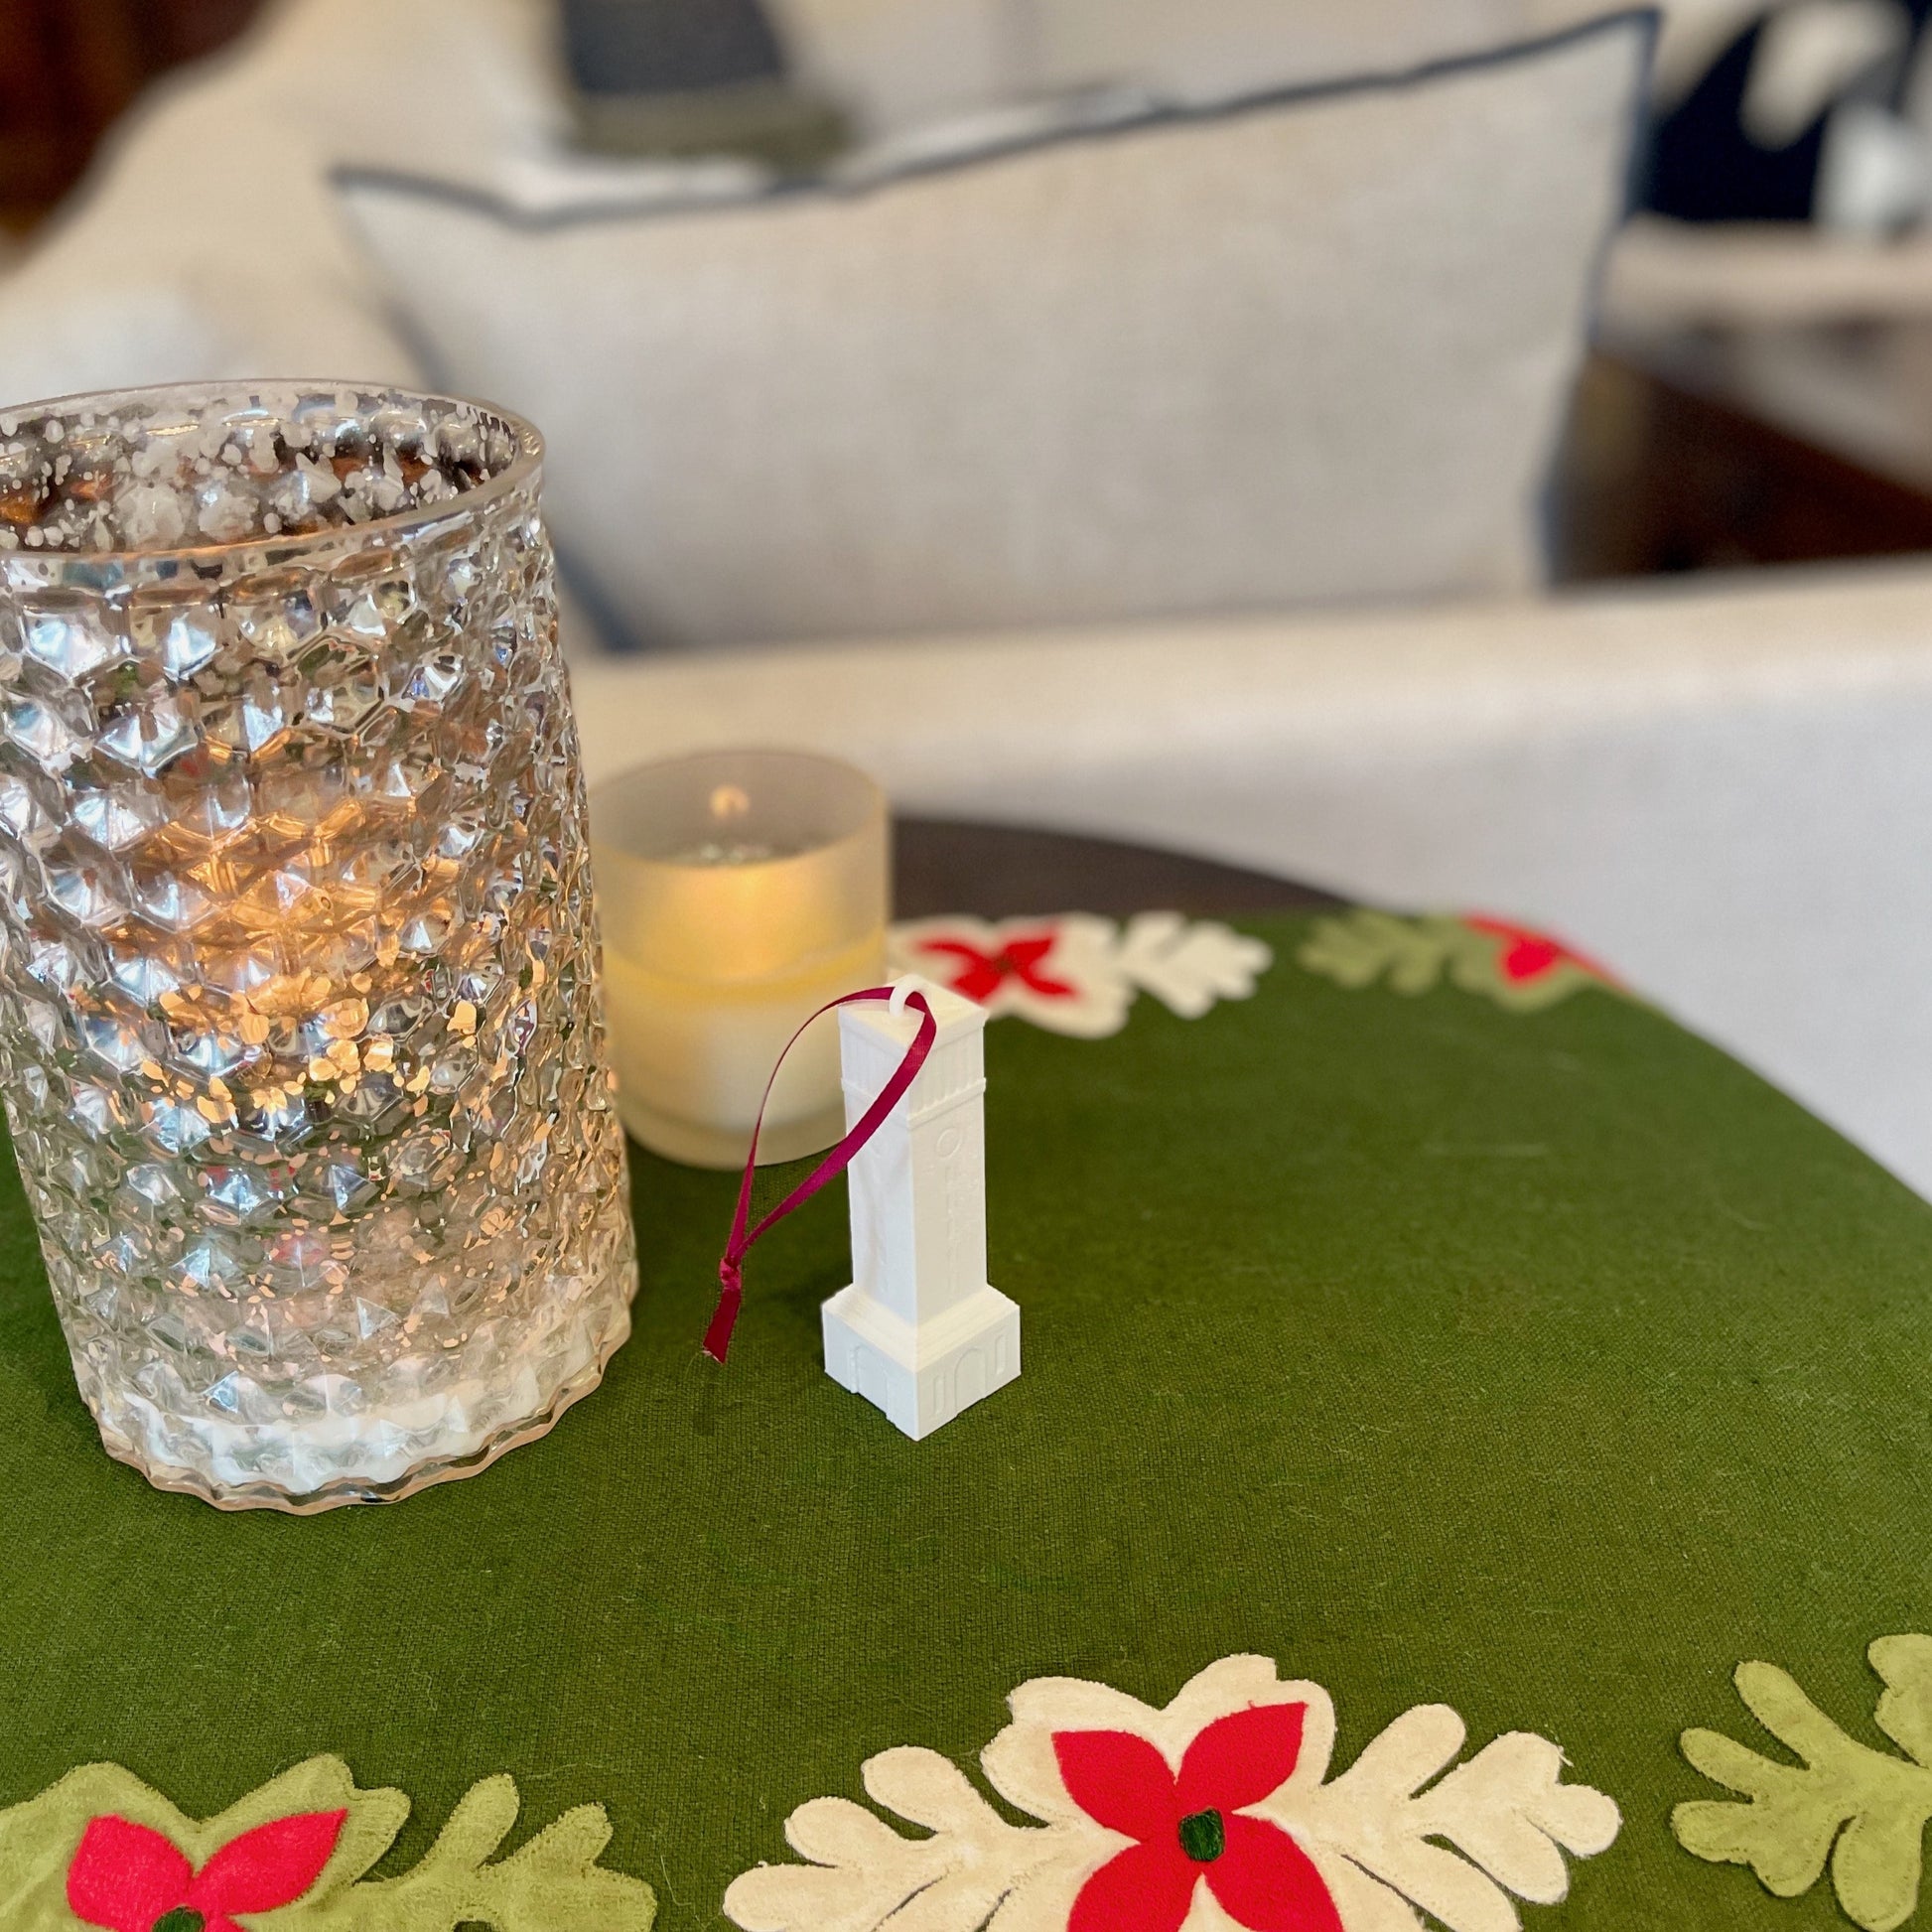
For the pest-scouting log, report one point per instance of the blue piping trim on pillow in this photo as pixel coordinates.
(1165, 114)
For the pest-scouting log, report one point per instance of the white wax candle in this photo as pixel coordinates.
(739, 891)
(693, 1056)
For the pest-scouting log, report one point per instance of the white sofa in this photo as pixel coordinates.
(1723, 789)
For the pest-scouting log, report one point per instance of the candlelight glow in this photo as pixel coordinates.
(740, 891)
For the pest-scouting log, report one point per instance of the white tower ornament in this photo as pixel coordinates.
(920, 1333)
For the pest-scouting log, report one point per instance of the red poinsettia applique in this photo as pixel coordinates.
(1527, 955)
(1188, 1826)
(128, 1878)
(980, 974)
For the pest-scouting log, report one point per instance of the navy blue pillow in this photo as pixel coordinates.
(651, 46)
(1702, 164)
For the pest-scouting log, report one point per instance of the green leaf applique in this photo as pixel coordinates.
(553, 1883)
(1863, 1809)
(1512, 965)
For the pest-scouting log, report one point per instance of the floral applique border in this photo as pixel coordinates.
(1222, 1794)
(1863, 1809)
(1079, 974)
(1513, 965)
(102, 1850)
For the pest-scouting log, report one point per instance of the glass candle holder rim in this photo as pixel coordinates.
(522, 468)
(614, 853)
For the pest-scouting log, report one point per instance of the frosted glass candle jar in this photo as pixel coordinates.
(298, 1018)
(741, 892)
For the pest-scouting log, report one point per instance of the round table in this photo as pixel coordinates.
(942, 865)
(1442, 1375)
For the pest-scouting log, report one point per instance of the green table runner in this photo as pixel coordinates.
(1543, 1364)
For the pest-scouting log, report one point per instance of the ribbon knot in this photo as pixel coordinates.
(731, 1298)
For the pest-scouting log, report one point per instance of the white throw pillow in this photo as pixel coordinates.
(1310, 347)
(896, 62)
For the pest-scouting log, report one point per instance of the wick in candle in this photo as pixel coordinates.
(729, 851)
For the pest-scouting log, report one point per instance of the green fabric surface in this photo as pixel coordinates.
(1543, 1364)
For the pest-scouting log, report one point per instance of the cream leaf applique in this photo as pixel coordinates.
(1079, 974)
(1189, 965)
(863, 1871)
(1506, 1810)
(1863, 1809)
(1210, 1809)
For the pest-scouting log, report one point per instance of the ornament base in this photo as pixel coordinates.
(921, 1377)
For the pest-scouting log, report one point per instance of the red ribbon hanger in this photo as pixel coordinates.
(731, 1265)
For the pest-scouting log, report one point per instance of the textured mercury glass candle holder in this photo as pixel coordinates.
(299, 1011)
(741, 891)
